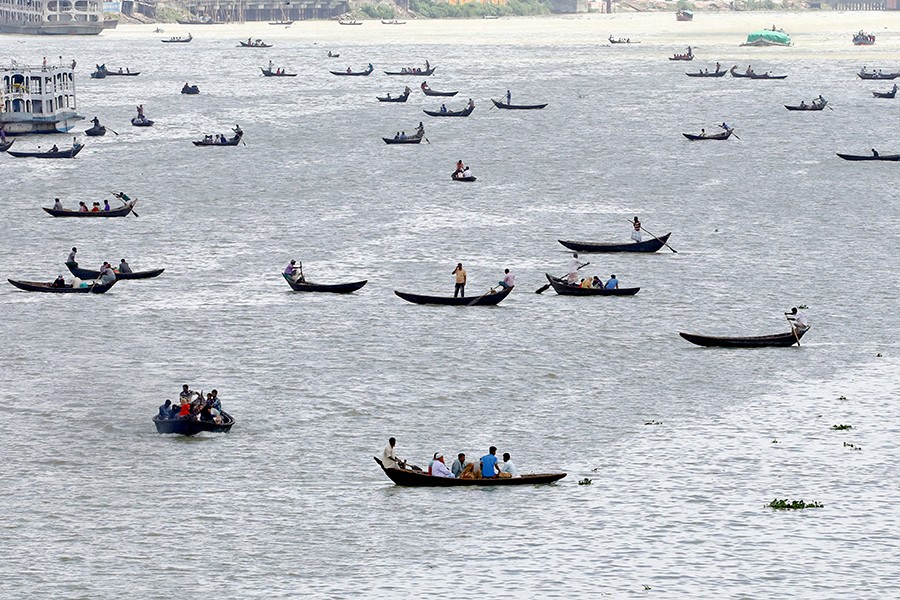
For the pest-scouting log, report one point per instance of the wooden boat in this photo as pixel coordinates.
(766, 76)
(95, 131)
(349, 22)
(332, 55)
(564, 289)
(90, 274)
(431, 92)
(709, 136)
(682, 57)
(189, 426)
(178, 40)
(6, 146)
(70, 153)
(99, 74)
(190, 90)
(410, 478)
(466, 179)
(121, 73)
(138, 122)
(256, 44)
(622, 41)
(489, 299)
(684, 15)
(864, 39)
(877, 75)
(37, 286)
(889, 94)
(204, 21)
(285, 23)
(813, 106)
(232, 141)
(365, 73)
(122, 211)
(506, 106)
(401, 98)
(271, 73)
(417, 73)
(416, 138)
(393, 22)
(450, 113)
(857, 157)
(645, 246)
(334, 288)
(780, 340)
(708, 74)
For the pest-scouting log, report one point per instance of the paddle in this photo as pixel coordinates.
(543, 288)
(656, 238)
(476, 300)
(126, 204)
(793, 329)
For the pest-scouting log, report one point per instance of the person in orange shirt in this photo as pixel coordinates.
(460, 289)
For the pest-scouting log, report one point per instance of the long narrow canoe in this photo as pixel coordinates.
(115, 212)
(489, 299)
(6, 146)
(766, 76)
(271, 73)
(878, 76)
(37, 286)
(709, 136)
(401, 98)
(780, 340)
(564, 289)
(891, 94)
(89, 274)
(188, 426)
(409, 478)
(335, 288)
(365, 73)
(646, 246)
(714, 74)
(506, 106)
(891, 157)
(805, 107)
(70, 153)
(410, 139)
(431, 92)
(450, 113)
(425, 72)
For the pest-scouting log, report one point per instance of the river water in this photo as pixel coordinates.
(685, 446)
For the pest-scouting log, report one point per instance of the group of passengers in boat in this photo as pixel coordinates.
(817, 102)
(459, 273)
(487, 467)
(590, 282)
(415, 71)
(82, 207)
(193, 405)
(369, 68)
(420, 131)
(462, 171)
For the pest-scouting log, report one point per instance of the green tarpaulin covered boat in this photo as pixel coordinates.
(767, 37)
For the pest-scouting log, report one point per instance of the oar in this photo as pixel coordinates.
(476, 300)
(543, 288)
(126, 204)
(110, 129)
(793, 329)
(656, 238)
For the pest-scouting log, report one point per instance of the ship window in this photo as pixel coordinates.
(81, 5)
(50, 102)
(18, 105)
(37, 106)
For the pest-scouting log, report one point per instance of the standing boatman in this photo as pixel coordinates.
(460, 288)
(636, 232)
(574, 265)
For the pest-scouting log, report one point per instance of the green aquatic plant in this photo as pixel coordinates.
(852, 446)
(653, 423)
(841, 427)
(586, 481)
(785, 504)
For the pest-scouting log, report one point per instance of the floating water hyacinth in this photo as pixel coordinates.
(841, 427)
(586, 481)
(786, 504)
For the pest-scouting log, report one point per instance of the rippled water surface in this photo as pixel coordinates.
(685, 446)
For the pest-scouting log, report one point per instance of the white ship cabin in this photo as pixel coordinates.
(34, 13)
(37, 99)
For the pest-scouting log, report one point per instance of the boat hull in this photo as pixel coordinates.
(337, 288)
(860, 157)
(187, 426)
(89, 274)
(564, 289)
(408, 478)
(482, 300)
(506, 106)
(781, 340)
(444, 94)
(71, 153)
(37, 286)
(102, 214)
(646, 246)
(55, 29)
(459, 113)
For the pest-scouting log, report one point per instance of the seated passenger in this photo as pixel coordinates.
(489, 463)
(459, 465)
(57, 205)
(586, 283)
(186, 394)
(106, 207)
(124, 267)
(613, 283)
(59, 282)
(82, 207)
(508, 469)
(438, 468)
(165, 410)
(469, 472)
(96, 207)
(597, 282)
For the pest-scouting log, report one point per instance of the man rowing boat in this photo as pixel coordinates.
(636, 232)
(389, 456)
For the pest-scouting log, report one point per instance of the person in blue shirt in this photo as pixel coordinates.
(613, 283)
(489, 464)
(165, 411)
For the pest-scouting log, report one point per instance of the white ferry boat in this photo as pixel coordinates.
(52, 17)
(37, 99)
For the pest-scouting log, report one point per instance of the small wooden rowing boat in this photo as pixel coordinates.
(682, 57)
(193, 426)
(451, 113)
(334, 288)
(122, 211)
(178, 40)
(141, 122)
(37, 286)
(232, 141)
(410, 478)
(431, 92)
(416, 138)
(780, 340)
(564, 289)
(6, 146)
(95, 131)
(504, 105)
(256, 44)
(889, 94)
(91, 274)
(708, 74)
(709, 136)
(645, 246)
(814, 106)
(191, 90)
(365, 73)
(489, 299)
(877, 75)
(271, 73)
(470, 178)
(400, 98)
(70, 153)
(349, 22)
(858, 157)
(766, 76)
(613, 40)
(285, 23)
(416, 72)
(393, 22)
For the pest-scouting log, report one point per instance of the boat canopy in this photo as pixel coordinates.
(769, 37)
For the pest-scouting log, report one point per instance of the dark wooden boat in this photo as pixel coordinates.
(271, 73)
(422, 72)
(416, 138)
(259, 44)
(889, 94)
(90, 274)
(365, 73)
(410, 478)
(682, 57)
(198, 22)
(401, 98)
(335, 288)
(393, 22)
(816, 106)
(878, 76)
(684, 15)
(766, 76)
(121, 73)
(450, 113)
(707, 74)
(349, 22)
(431, 92)
(506, 106)
(735, 73)
(281, 22)
(489, 299)
(116, 212)
(99, 74)
(141, 123)
(645, 246)
(95, 131)
(190, 90)
(70, 153)
(564, 289)
(37, 286)
(621, 41)
(780, 340)
(189, 426)
(709, 136)
(232, 141)
(178, 40)
(468, 179)
(6, 146)
(889, 157)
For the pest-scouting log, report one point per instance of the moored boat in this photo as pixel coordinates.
(333, 288)
(85, 287)
(564, 289)
(91, 274)
(780, 340)
(489, 299)
(285, 23)
(193, 426)
(504, 105)
(411, 478)
(70, 153)
(645, 246)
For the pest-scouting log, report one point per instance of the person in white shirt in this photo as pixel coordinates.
(508, 467)
(509, 280)
(798, 319)
(57, 205)
(467, 172)
(438, 468)
(574, 265)
(71, 258)
(389, 456)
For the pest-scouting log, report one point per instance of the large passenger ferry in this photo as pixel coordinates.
(37, 99)
(52, 17)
